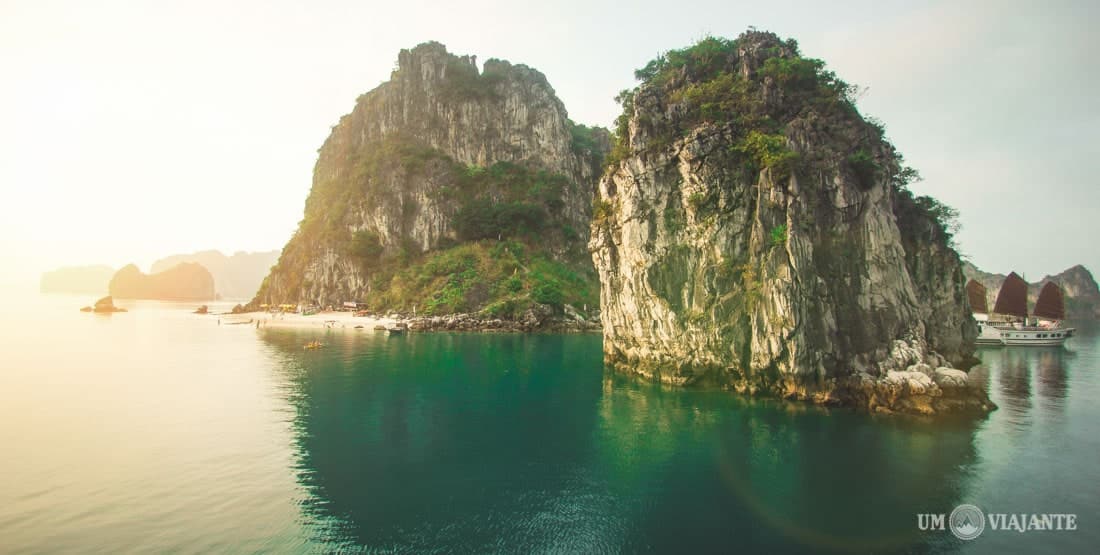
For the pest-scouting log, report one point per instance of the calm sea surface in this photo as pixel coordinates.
(158, 430)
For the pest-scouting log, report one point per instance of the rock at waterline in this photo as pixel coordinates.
(104, 305)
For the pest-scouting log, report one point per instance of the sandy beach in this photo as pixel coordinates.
(320, 320)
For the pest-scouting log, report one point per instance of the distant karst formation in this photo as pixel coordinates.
(235, 277)
(91, 280)
(183, 282)
(449, 190)
(1082, 296)
(755, 232)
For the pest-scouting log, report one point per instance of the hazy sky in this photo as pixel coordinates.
(135, 130)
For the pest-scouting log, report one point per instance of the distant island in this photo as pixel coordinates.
(91, 280)
(183, 282)
(235, 277)
(1077, 283)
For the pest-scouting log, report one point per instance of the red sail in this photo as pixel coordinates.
(1051, 303)
(975, 291)
(1012, 300)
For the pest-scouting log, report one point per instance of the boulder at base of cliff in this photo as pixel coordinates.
(915, 392)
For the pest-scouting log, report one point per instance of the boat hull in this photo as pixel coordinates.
(1022, 336)
(1041, 338)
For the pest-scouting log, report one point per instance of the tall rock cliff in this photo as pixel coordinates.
(755, 232)
(440, 157)
(1080, 289)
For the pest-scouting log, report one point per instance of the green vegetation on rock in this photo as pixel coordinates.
(505, 200)
(768, 151)
(779, 235)
(464, 81)
(367, 246)
(589, 142)
(501, 279)
(706, 89)
(703, 87)
(506, 218)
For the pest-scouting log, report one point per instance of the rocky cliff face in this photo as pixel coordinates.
(439, 155)
(1078, 285)
(757, 233)
(183, 282)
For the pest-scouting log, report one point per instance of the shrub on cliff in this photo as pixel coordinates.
(464, 81)
(367, 246)
(707, 88)
(502, 277)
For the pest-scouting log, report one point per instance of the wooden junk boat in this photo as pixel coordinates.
(1010, 323)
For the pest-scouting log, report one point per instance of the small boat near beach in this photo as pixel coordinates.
(398, 328)
(1011, 324)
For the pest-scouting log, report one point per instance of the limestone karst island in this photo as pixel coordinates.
(742, 227)
(627, 288)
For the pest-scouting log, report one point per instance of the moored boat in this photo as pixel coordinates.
(976, 294)
(1011, 324)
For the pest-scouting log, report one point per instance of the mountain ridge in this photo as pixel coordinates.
(186, 281)
(237, 276)
(91, 279)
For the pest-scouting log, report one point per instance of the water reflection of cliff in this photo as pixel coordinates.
(417, 442)
(1052, 375)
(509, 443)
(1022, 376)
(767, 476)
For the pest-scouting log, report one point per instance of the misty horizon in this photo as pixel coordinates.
(122, 155)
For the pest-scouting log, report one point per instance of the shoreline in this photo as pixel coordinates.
(450, 322)
(320, 320)
(917, 385)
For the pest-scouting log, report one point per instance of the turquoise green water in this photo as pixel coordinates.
(157, 430)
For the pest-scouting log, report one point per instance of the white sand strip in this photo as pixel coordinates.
(320, 320)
